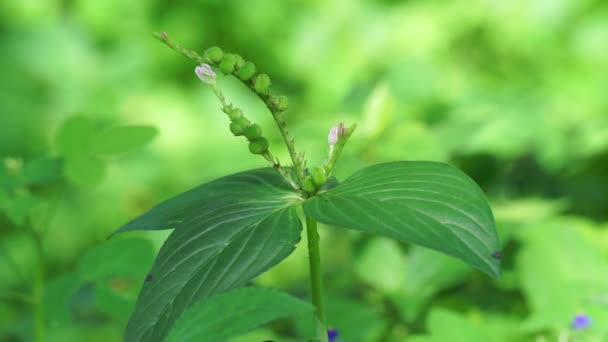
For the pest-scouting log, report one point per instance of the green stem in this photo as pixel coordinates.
(316, 278)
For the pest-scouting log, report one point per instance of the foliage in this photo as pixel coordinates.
(510, 93)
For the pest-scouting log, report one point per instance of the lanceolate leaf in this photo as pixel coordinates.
(234, 313)
(426, 203)
(227, 232)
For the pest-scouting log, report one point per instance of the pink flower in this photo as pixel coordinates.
(335, 133)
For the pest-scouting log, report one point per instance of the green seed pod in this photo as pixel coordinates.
(308, 185)
(227, 64)
(215, 54)
(258, 146)
(253, 132)
(246, 71)
(235, 114)
(238, 62)
(318, 176)
(237, 127)
(261, 84)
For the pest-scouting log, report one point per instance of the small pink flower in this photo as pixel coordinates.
(205, 73)
(335, 133)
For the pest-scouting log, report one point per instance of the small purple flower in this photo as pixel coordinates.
(581, 321)
(205, 73)
(332, 335)
(335, 133)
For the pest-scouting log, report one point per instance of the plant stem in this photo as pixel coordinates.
(316, 278)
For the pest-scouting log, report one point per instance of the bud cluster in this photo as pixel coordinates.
(234, 64)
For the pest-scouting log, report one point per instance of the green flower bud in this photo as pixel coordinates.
(246, 71)
(237, 127)
(238, 62)
(261, 84)
(308, 185)
(235, 114)
(227, 64)
(258, 146)
(215, 54)
(253, 132)
(282, 103)
(318, 176)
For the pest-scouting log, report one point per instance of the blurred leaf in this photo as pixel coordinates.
(561, 270)
(378, 111)
(84, 171)
(18, 207)
(42, 170)
(242, 225)
(426, 273)
(382, 265)
(58, 295)
(122, 139)
(355, 321)
(110, 300)
(426, 203)
(74, 136)
(235, 312)
(130, 257)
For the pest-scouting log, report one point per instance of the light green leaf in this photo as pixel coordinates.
(382, 265)
(238, 227)
(42, 170)
(122, 139)
(233, 313)
(84, 171)
(74, 136)
(426, 203)
(58, 295)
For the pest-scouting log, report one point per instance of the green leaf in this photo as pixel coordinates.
(122, 139)
(84, 171)
(426, 203)
(58, 295)
(382, 265)
(42, 170)
(228, 232)
(74, 136)
(233, 313)
(129, 257)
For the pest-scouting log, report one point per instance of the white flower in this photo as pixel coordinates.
(205, 73)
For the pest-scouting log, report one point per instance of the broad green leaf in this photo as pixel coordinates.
(131, 257)
(426, 203)
(122, 139)
(229, 231)
(234, 313)
(84, 171)
(74, 136)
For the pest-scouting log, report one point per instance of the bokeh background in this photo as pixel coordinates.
(515, 93)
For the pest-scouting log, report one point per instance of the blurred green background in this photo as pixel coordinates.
(512, 92)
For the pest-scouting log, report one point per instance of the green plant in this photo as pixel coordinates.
(230, 230)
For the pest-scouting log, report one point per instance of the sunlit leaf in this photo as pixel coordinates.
(426, 203)
(74, 136)
(122, 139)
(84, 170)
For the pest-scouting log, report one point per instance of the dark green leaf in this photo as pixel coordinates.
(233, 313)
(426, 203)
(236, 228)
(122, 139)
(251, 185)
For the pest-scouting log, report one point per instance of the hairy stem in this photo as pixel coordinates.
(316, 278)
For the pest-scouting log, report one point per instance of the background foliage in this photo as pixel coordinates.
(511, 92)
